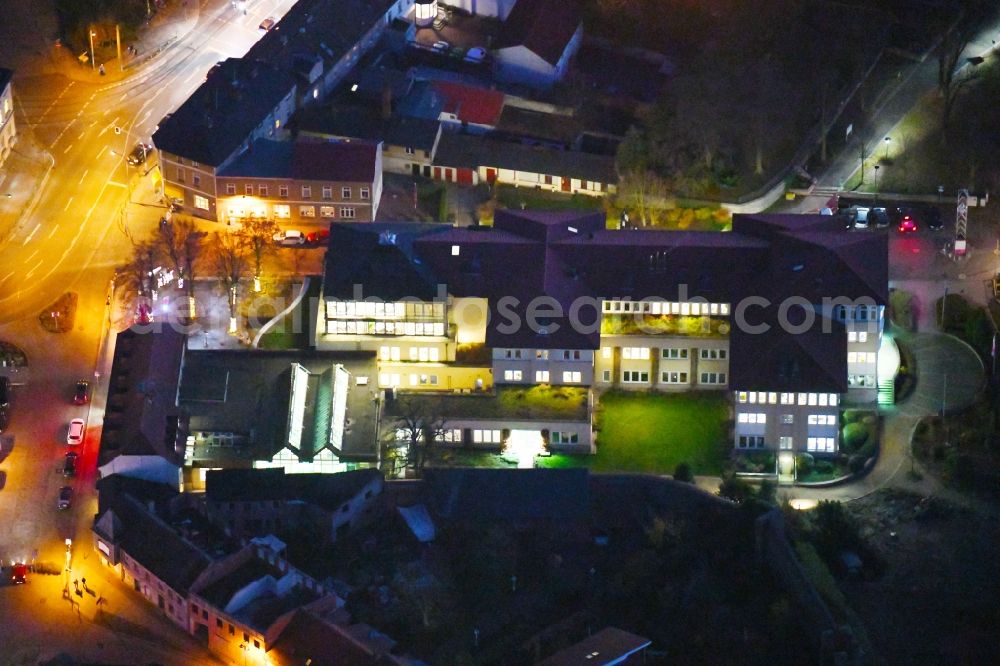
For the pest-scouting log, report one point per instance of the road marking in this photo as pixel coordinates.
(32, 255)
(81, 135)
(55, 227)
(6, 277)
(124, 97)
(116, 183)
(67, 148)
(29, 273)
(103, 148)
(68, 203)
(80, 182)
(32, 234)
(145, 117)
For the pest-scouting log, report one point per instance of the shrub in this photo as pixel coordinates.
(734, 488)
(901, 309)
(956, 312)
(856, 463)
(852, 415)
(683, 473)
(804, 463)
(824, 467)
(855, 435)
(686, 219)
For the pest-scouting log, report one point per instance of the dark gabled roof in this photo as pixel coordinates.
(217, 119)
(473, 151)
(155, 545)
(353, 162)
(470, 494)
(542, 26)
(309, 639)
(111, 487)
(608, 646)
(324, 29)
(141, 412)
(365, 122)
(6, 76)
(264, 159)
(379, 257)
(785, 358)
(328, 491)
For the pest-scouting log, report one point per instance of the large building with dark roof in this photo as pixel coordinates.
(786, 311)
(538, 40)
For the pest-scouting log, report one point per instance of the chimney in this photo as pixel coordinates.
(386, 102)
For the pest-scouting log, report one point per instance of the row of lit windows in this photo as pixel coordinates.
(394, 379)
(339, 327)
(751, 417)
(772, 398)
(821, 444)
(542, 376)
(664, 307)
(421, 354)
(545, 354)
(383, 310)
(262, 191)
(669, 353)
(857, 336)
(284, 212)
(822, 419)
(486, 436)
(861, 357)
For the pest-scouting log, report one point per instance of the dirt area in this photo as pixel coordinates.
(936, 602)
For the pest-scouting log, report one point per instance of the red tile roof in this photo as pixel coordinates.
(353, 162)
(477, 106)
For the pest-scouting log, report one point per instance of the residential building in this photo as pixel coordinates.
(298, 62)
(537, 41)
(134, 538)
(307, 180)
(472, 109)
(470, 160)
(756, 311)
(317, 640)
(239, 605)
(408, 143)
(8, 130)
(253, 502)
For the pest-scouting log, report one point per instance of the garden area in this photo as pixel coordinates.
(292, 332)
(654, 433)
(962, 449)
(652, 324)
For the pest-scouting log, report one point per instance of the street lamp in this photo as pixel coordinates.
(888, 140)
(92, 35)
(876, 183)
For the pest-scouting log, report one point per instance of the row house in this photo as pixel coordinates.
(297, 63)
(782, 305)
(303, 181)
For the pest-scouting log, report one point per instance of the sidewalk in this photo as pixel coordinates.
(22, 180)
(174, 20)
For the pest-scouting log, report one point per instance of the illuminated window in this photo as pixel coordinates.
(307, 211)
(282, 211)
(200, 202)
(542, 376)
(512, 375)
(327, 211)
(456, 250)
(785, 443)
(572, 377)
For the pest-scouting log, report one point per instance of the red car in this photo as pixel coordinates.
(907, 225)
(317, 237)
(19, 573)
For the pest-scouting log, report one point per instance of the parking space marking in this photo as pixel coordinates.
(55, 228)
(80, 182)
(66, 207)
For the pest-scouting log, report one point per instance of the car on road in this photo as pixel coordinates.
(290, 238)
(907, 225)
(475, 54)
(266, 24)
(65, 497)
(19, 573)
(69, 466)
(81, 396)
(879, 217)
(140, 153)
(4, 402)
(316, 237)
(75, 433)
(933, 220)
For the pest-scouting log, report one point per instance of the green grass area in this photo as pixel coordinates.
(650, 432)
(650, 324)
(292, 332)
(560, 403)
(530, 198)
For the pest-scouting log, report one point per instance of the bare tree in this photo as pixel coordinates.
(949, 56)
(229, 256)
(181, 243)
(421, 419)
(138, 272)
(257, 236)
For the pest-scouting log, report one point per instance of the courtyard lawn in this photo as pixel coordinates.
(650, 432)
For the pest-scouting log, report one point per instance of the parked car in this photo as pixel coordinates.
(266, 24)
(320, 236)
(441, 46)
(4, 402)
(907, 225)
(75, 433)
(933, 219)
(69, 466)
(475, 54)
(290, 238)
(879, 217)
(19, 573)
(65, 497)
(140, 153)
(860, 217)
(81, 396)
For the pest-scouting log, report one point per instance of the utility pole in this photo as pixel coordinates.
(118, 42)
(93, 65)
(862, 162)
